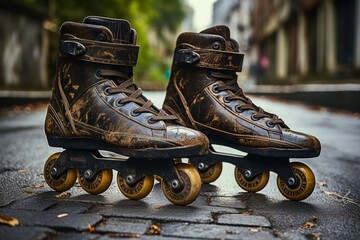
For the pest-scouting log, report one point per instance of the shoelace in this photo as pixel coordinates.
(238, 94)
(128, 87)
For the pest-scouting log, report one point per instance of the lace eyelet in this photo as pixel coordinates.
(134, 113)
(215, 89)
(150, 120)
(97, 74)
(227, 99)
(101, 37)
(238, 109)
(118, 103)
(106, 91)
(254, 118)
(270, 124)
(216, 45)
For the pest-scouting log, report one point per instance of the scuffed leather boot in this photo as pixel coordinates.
(203, 93)
(95, 105)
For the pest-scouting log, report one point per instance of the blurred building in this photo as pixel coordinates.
(188, 23)
(236, 14)
(23, 46)
(298, 40)
(308, 40)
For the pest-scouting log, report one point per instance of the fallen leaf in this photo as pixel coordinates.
(340, 197)
(22, 171)
(62, 215)
(63, 195)
(323, 184)
(308, 225)
(315, 218)
(37, 185)
(157, 207)
(313, 236)
(154, 230)
(91, 228)
(255, 229)
(9, 221)
(28, 191)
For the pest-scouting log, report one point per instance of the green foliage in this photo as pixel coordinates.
(144, 15)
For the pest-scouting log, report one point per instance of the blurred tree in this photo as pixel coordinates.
(144, 15)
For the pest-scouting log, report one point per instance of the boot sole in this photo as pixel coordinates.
(155, 153)
(271, 152)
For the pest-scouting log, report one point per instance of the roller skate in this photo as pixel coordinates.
(203, 93)
(96, 108)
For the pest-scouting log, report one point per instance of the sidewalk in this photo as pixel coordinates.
(222, 211)
(337, 96)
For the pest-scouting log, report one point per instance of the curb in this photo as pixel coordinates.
(336, 96)
(11, 98)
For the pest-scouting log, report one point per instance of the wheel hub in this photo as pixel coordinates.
(87, 174)
(53, 171)
(247, 173)
(129, 179)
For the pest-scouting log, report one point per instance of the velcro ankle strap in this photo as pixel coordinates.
(100, 52)
(212, 59)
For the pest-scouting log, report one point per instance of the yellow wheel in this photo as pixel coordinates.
(191, 189)
(211, 174)
(137, 191)
(98, 184)
(304, 187)
(254, 184)
(63, 182)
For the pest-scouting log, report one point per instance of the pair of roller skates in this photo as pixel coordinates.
(96, 106)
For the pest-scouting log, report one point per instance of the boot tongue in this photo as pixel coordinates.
(120, 28)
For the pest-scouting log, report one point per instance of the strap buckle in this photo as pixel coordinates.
(187, 56)
(72, 48)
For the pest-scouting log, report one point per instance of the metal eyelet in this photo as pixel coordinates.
(97, 73)
(254, 118)
(118, 103)
(101, 37)
(227, 99)
(238, 109)
(216, 45)
(106, 91)
(270, 124)
(150, 120)
(215, 89)
(134, 113)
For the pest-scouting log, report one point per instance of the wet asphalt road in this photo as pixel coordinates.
(331, 212)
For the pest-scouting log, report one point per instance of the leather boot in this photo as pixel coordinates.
(96, 105)
(203, 93)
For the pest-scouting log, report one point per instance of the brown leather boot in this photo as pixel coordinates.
(95, 101)
(203, 93)
(95, 105)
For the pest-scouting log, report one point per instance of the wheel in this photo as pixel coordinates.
(98, 184)
(62, 183)
(191, 189)
(254, 184)
(305, 186)
(137, 191)
(211, 174)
